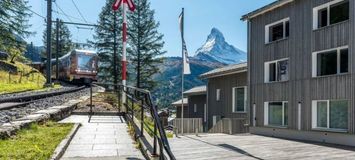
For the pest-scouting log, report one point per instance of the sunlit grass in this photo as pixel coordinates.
(26, 79)
(37, 142)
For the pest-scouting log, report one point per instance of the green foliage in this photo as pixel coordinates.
(36, 142)
(107, 35)
(145, 43)
(13, 27)
(65, 42)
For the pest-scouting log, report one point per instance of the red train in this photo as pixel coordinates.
(79, 66)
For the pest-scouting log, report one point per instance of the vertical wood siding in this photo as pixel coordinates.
(298, 48)
(223, 107)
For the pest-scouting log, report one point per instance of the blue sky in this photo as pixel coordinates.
(200, 17)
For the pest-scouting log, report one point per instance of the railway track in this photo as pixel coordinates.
(20, 101)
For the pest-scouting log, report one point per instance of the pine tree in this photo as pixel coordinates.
(13, 27)
(107, 37)
(145, 44)
(65, 42)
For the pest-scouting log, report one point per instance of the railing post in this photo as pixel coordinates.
(142, 119)
(155, 135)
(119, 98)
(125, 102)
(132, 103)
(90, 114)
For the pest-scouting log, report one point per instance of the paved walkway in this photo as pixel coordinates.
(246, 146)
(106, 137)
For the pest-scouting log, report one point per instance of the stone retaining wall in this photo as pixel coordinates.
(54, 113)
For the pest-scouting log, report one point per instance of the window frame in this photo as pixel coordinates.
(268, 26)
(315, 116)
(195, 108)
(267, 71)
(266, 114)
(315, 61)
(325, 6)
(234, 100)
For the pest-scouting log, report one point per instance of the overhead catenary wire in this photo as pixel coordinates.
(66, 15)
(72, 17)
(77, 9)
(39, 15)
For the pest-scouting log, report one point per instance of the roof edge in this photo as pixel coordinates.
(223, 74)
(265, 9)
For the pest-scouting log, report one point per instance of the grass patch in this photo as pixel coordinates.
(37, 142)
(26, 79)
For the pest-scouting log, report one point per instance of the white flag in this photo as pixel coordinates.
(185, 56)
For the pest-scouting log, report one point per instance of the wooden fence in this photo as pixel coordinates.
(230, 126)
(191, 125)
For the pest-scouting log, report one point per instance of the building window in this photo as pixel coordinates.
(218, 94)
(276, 114)
(330, 13)
(277, 30)
(239, 99)
(330, 62)
(195, 108)
(276, 71)
(330, 114)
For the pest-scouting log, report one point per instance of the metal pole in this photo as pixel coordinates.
(182, 76)
(124, 59)
(57, 50)
(155, 138)
(119, 99)
(142, 118)
(49, 36)
(115, 76)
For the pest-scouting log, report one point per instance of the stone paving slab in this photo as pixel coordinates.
(251, 147)
(105, 137)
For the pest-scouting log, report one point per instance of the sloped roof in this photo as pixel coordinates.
(231, 69)
(262, 10)
(178, 103)
(200, 90)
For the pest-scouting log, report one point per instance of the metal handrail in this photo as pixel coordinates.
(132, 93)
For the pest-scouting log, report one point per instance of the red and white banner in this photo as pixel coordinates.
(118, 3)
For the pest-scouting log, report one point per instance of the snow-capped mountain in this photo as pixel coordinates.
(216, 49)
(215, 53)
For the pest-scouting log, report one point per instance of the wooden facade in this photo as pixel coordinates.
(223, 108)
(301, 88)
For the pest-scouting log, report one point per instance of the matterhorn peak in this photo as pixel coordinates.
(216, 35)
(216, 49)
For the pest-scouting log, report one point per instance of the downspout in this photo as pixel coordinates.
(249, 76)
(207, 102)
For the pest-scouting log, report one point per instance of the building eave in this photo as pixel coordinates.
(265, 9)
(223, 74)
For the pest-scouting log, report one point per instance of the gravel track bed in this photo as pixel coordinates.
(15, 113)
(63, 88)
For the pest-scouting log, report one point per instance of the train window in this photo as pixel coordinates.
(86, 62)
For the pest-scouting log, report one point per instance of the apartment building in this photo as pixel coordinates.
(301, 70)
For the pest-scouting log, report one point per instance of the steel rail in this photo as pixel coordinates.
(27, 98)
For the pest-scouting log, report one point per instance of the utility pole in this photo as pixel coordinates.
(49, 29)
(115, 74)
(57, 50)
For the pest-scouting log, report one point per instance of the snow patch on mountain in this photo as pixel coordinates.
(216, 49)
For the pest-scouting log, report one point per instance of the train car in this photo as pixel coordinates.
(77, 66)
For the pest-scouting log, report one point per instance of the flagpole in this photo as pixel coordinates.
(182, 74)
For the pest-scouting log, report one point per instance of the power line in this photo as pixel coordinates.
(79, 11)
(55, 11)
(63, 12)
(37, 14)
